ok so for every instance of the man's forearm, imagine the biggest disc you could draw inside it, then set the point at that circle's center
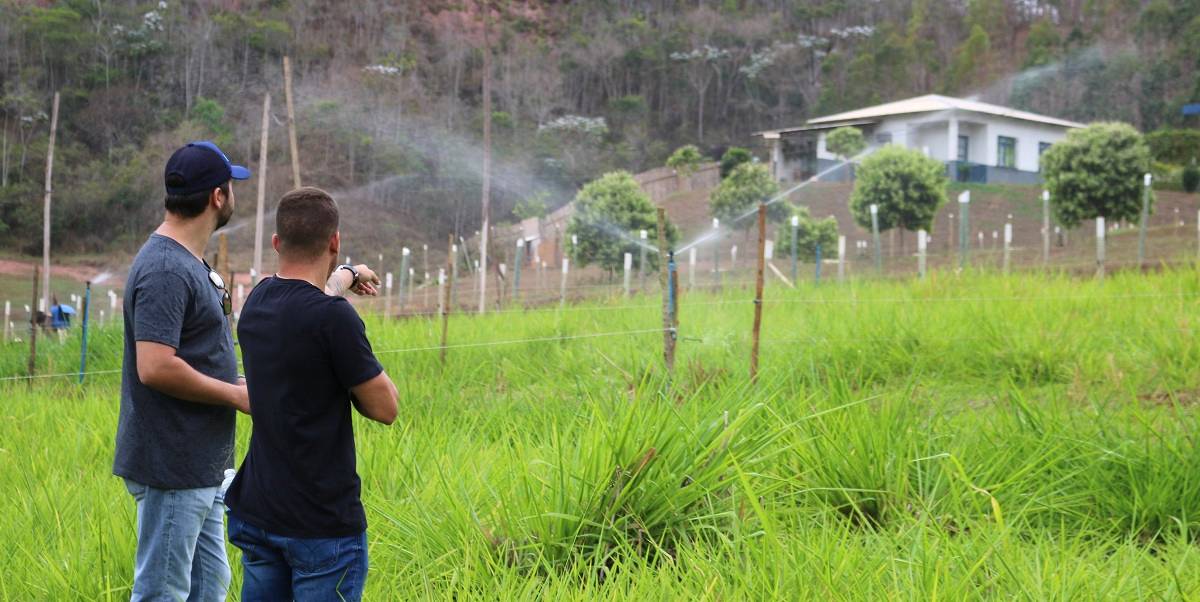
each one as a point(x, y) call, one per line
point(177, 379)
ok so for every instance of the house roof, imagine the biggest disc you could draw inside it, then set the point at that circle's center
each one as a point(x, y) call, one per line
point(936, 102)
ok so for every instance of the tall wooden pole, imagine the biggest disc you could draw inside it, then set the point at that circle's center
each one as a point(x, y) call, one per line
point(758, 289)
point(46, 206)
point(487, 165)
point(262, 189)
point(291, 121)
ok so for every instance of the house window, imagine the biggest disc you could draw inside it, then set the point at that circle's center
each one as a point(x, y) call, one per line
point(964, 148)
point(884, 138)
point(1006, 152)
point(1042, 146)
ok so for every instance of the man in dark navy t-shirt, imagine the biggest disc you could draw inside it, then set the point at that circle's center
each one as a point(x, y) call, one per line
point(294, 507)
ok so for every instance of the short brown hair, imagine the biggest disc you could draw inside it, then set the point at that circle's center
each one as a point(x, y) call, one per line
point(305, 221)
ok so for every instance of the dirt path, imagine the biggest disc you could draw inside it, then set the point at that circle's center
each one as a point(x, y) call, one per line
point(11, 267)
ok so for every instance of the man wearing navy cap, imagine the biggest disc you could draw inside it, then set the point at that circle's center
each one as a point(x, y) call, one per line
point(180, 387)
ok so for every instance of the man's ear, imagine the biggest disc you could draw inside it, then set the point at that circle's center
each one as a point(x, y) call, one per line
point(218, 199)
point(335, 243)
point(275, 242)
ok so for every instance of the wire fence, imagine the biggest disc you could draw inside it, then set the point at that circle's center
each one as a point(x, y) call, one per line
point(717, 268)
point(725, 339)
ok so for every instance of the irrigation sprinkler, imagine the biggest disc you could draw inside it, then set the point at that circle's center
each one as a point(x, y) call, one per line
point(692, 268)
point(628, 271)
point(716, 227)
point(950, 234)
point(387, 295)
point(1045, 228)
point(87, 302)
point(1100, 233)
point(453, 273)
point(875, 238)
point(405, 273)
point(641, 268)
point(516, 287)
point(964, 228)
point(921, 254)
point(1007, 244)
point(841, 258)
point(7, 323)
point(411, 276)
point(795, 256)
point(562, 287)
point(758, 290)
point(1143, 218)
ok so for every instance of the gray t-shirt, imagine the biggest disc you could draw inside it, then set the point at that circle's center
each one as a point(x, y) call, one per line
point(163, 441)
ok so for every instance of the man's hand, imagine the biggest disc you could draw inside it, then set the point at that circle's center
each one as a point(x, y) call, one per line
point(340, 281)
point(368, 281)
point(241, 397)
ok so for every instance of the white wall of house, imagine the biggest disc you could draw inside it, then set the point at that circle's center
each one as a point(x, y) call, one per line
point(983, 132)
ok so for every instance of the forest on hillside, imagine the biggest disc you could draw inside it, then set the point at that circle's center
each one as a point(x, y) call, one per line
point(389, 95)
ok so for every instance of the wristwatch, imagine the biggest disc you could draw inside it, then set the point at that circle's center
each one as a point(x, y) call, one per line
point(353, 273)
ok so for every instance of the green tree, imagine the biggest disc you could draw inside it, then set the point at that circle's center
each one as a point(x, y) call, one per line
point(211, 116)
point(733, 157)
point(686, 159)
point(1191, 177)
point(747, 184)
point(1042, 43)
point(970, 60)
point(907, 186)
point(845, 142)
point(533, 205)
point(1097, 172)
point(608, 211)
point(809, 233)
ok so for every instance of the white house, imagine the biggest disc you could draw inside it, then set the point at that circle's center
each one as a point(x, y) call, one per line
point(979, 142)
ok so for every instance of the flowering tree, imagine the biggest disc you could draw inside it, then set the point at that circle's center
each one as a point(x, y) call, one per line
point(703, 64)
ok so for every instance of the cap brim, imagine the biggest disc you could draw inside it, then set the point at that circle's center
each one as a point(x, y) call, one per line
point(238, 172)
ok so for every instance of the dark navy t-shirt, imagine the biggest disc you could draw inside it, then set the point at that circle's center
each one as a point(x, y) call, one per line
point(302, 351)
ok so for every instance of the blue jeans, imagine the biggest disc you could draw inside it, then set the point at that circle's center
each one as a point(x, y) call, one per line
point(180, 544)
point(293, 568)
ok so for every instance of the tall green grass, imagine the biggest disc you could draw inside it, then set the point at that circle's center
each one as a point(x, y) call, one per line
point(964, 437)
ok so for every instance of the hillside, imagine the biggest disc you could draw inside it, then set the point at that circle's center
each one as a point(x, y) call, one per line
point(389, 95)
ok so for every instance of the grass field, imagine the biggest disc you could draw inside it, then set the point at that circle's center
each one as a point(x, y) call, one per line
point(965, 437)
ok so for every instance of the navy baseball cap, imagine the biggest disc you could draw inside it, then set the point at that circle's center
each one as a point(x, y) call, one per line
point(200, 166)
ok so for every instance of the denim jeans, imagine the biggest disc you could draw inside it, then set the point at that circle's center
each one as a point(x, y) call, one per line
point(180, 544)
point(301, 569)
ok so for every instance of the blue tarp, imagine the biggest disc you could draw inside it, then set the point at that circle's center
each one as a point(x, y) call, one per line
point(1192, 109)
